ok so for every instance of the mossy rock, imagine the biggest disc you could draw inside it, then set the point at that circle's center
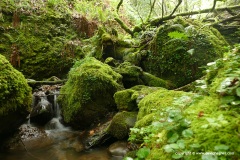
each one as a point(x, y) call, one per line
point(15, 97)
point(40, 45)
point(87, 96)
point(159, 101)
point(210, 126)
point(124, 101)
point(131, 74)
point(214, 130)
point(179, 49)
point(112, 62)
point(121, 123)
point(222, 78)
point(128, 99)
point(151, 80)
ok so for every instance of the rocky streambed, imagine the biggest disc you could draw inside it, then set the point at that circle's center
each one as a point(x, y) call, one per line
point(44, 136)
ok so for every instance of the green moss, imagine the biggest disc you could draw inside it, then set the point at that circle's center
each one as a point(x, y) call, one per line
point(15, 94)
point(212, 129)
point(88, 93)
point(128, 99)
point(124, 101)
point(131, 74)
point(132, 56)
point(122, 121)
point(215, 127)
point(177, 58)
point(142, 91)
point(111, 62)
point(146, 120)
point(44, 38)
point(161, 99)
point(151, 80)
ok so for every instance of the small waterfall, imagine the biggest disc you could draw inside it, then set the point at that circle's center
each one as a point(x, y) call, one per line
point(55, 124)
point(57, 111)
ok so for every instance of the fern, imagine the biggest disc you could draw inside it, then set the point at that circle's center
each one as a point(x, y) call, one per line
point(101, 15)
point(1, 17)
point(10, 38)
point(177, 35)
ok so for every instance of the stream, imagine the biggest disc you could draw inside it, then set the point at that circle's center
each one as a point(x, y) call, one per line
point(53, 141)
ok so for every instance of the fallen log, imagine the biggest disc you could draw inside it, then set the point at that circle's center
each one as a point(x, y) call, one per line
point(33, 83)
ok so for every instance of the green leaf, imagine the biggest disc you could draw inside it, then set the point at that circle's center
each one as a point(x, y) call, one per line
point(235, 103)
point(168, 148)
point(174, 146)
point(191, 51)
point(181, 144)
point(157, 124)
point(173, 138)
point(177, 156)
point(210, 120)
point(227, 99)
point(187, 133)
point(185, 123)
point(209, 157)
point(238, 91)
point(205, 126)
point(195, 145)
point(221, 147)
point(143, 152)
point(128, 158)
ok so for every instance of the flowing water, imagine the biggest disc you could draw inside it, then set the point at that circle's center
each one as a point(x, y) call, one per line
point(60, 143)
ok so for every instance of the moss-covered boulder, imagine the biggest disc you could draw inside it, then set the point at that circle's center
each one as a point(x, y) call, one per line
point(180, 47)
point(15, 97)
point(196, 126)
point(156, 105)
point(131, 74)
point(128, 99)
point(151, 80)
point(134, 75)
point(203, 127)
point(87, 96)
point(121, 124)
point(124, 100)
point(39, 41)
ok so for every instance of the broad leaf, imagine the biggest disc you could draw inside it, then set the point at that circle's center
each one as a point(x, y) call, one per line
point(177, 156)
point(221, 147)
point(173, 138)
point(168, 148)
point(227, 99)
point(209, 157)
point(174, 146)
point(143, 152)
point(238, 91)
point(181, 144)
point(195, 145)
point(187, 133)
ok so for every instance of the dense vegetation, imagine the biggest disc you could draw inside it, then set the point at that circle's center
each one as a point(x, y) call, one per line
point(170, 70)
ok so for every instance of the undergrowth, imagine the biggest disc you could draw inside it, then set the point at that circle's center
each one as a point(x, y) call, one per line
point(206, 128)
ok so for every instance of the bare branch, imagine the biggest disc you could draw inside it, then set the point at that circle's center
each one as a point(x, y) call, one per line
point(174, 10)
point(151, 9)
point(119, 4)
point(227, 19)
point(214, 5)
point(163, 3)
point(158, 21)
point(123, 26)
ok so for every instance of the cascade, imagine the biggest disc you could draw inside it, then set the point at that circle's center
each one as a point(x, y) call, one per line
point(55, 123)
